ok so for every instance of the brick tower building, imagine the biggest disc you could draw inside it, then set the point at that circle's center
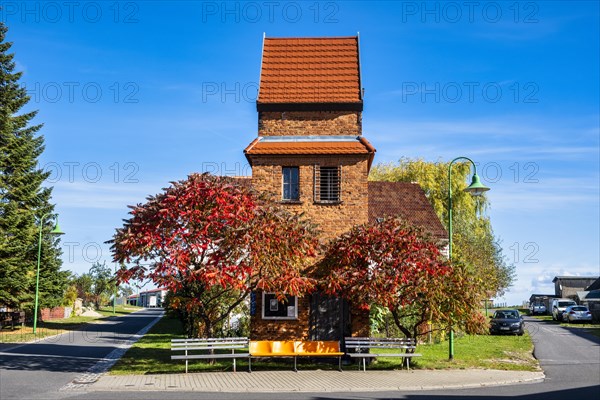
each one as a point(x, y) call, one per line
point(311, 154)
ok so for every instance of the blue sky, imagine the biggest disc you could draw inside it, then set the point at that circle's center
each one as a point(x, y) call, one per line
point(135, 94)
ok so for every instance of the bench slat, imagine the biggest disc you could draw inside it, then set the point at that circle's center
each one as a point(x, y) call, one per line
point(199, 347)
point(209, 356)
point(361, 355)
point(223, 340)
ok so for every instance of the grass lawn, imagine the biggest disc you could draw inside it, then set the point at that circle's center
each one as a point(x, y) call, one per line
point(152, 355)
point(57, 326)
point(505, 352)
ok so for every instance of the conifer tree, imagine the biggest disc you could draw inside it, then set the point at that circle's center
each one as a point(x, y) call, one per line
point(23, 199)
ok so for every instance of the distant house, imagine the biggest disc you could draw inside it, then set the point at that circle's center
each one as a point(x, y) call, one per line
point(149, 298)
point(568, 286)
point(590, 297)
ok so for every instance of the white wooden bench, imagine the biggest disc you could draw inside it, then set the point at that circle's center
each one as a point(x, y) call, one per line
point(211, 348)
point(366, 347)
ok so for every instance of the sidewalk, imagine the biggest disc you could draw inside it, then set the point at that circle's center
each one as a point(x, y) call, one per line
point(312, 381)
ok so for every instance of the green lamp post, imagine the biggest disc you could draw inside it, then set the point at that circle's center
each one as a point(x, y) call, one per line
point(476, 188)
point(115, 294)
point(55, 231)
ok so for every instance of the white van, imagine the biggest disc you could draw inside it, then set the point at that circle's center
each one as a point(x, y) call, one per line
point(558, 307)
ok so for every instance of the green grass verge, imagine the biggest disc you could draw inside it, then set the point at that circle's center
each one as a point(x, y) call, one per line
point(481, 351)
point(152, 355)
point(58, 326)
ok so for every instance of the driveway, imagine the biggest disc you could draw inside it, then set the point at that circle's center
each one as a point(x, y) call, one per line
point(570, 357)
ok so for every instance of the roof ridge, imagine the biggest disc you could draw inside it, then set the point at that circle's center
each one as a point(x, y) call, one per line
point(312, 37)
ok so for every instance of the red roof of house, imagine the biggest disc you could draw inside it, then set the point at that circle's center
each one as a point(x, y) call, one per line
point(407, 201)
point(310, 70)
point(360, 145)
point(354, 147)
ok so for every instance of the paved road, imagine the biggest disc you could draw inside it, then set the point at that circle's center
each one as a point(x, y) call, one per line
point(570, 359)
point(39, 370)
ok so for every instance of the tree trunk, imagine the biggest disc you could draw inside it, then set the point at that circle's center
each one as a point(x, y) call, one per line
point(406, 332)
point(208, 333)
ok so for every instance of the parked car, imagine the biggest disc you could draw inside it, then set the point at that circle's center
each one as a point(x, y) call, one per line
point(559, 306)
point(507, 321)
point(577, 313)
point(537, 308)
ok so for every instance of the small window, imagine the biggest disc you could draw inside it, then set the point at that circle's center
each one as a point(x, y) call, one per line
point(328, 182)
point(272, 308)
point(291, 184)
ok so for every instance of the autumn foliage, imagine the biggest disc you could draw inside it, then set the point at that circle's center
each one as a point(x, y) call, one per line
point(211, 241)
point(395, 265)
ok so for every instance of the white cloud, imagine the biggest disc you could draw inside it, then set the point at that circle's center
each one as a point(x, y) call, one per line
point(90, 195)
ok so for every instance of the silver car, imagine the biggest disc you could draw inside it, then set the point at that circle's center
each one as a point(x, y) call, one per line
point(577, 313)
point(537, 308)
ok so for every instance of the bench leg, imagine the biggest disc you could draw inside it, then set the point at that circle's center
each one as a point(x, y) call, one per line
point(234, 370)
point(295, 365)
point(340, 363)
point(186, 366)
point(406, 360)
point(364, 364)
point(249, 364)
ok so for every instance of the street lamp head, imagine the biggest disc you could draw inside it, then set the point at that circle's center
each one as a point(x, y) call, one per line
point(476, 188)
point(56, 231)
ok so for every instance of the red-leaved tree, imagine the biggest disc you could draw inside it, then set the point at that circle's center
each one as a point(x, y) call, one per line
point(211, 241)
point(397, 266)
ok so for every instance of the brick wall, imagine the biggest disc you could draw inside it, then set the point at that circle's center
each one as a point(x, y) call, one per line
point(48, 314)
point(303, 123)
point(298, 329)
point(360, 324)
point(272, 329)
point(333, 219)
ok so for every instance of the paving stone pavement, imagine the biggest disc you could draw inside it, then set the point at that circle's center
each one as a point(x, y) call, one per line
point(313, 381)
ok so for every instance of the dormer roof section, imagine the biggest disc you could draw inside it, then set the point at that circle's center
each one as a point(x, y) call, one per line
point(310, 74)
point(310, 145)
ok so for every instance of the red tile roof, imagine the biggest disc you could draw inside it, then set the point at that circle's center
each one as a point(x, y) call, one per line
point(359, 146)
point(407, 201)
point(310, 70)
point(258, 147)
